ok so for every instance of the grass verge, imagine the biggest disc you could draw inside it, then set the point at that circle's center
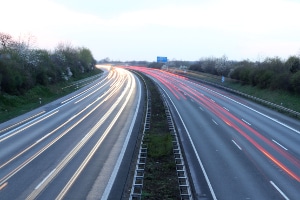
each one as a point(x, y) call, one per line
point(279, 97)
point(13, 105)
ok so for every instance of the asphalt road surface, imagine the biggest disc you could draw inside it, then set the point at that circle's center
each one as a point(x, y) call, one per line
point(73, 148)
point(235, 149)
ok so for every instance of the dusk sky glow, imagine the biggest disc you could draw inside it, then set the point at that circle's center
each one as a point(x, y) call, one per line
point(141, 30)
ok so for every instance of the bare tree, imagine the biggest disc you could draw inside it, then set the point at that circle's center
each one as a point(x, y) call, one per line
point(221, 65)
point(25, 49)
point(5, 40)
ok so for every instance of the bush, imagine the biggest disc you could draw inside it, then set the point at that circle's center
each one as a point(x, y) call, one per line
point(22, 67)
point(295, 81)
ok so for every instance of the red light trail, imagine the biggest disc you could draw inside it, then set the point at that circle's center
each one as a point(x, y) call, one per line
point(177, 85)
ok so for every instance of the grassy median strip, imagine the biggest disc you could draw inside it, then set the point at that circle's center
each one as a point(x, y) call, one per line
point(160, 178)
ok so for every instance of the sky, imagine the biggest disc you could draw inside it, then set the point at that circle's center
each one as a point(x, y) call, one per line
point(125, 30)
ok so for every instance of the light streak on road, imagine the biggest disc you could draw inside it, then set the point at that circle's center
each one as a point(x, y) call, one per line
point(64, 191)
point(120, 82)
point(273, 151)
point(231, 120)
point(107, 94)
point(21, 122)
point(26, 126)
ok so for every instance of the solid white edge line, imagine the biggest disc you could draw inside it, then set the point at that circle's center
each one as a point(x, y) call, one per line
point(37, 187)
point(279, 190)
point(20, 122)
point(194, 148)
point(120, 158)
point(279, 144)
point(260, 113)
point(36, 119)
point(27, 125)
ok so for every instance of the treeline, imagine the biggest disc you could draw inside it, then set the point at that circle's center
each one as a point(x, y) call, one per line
point(272, 73)
point(22, 66)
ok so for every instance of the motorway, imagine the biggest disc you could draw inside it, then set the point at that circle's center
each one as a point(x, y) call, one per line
point(73, 148)
point(235, 149)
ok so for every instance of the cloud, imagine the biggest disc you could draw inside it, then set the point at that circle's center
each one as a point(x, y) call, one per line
point(227, 26)
point(42, 18)
point(255, 16)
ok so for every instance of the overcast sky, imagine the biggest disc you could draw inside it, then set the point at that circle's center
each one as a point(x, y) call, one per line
point(142, 29)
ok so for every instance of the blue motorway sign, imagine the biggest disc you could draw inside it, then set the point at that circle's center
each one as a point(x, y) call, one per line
point(223, 79)
point(162, 59)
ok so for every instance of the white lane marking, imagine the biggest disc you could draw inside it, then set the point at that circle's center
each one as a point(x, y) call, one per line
point(37, 187)
point(279, 144)
point(81, 93)
point(55, 110)
point(201, 108)
point(121, 156)
point(236, 145)
point(45, 136)
point(212, 100)
point(214, 121)
point(27, 119)
point(279, 190)
point(226, 109)
point(27, 125)
point(94, 91)
point(246, 122)
point(194, 148)
point(79, 145)
point(252, 109)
